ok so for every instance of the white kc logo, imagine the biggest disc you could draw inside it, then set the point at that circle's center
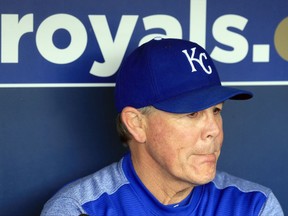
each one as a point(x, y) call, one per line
point(191, 60)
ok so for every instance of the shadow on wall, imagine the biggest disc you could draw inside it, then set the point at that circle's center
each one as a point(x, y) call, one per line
point(50, 137)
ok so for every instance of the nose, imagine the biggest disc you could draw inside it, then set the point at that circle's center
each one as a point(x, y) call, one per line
point(212, 127)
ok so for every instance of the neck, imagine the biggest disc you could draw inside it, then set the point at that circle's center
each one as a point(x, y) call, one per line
point(166, 189)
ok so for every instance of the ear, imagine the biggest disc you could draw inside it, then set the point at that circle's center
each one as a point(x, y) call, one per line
point(135, 123)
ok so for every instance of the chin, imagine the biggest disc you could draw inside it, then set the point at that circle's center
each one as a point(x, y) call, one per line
point(206, 177)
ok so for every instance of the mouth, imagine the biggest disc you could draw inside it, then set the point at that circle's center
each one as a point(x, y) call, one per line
point(207, 158)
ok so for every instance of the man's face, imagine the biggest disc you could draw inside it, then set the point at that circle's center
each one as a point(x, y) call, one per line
point(185, 147)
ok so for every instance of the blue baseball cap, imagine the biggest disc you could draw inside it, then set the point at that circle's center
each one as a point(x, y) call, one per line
point(173, 75)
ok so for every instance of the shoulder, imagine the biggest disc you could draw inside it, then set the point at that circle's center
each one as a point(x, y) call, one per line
point(107, 180)
point(244, 191)
point(224, 180)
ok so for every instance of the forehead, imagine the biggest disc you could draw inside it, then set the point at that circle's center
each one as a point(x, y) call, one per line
point(156, 111)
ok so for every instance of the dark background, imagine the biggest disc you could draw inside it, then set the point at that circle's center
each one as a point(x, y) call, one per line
point(52, 136)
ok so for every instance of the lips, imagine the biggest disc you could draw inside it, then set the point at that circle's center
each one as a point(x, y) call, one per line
point(207, 158)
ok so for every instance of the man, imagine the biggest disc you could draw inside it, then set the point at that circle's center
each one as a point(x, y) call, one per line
point(169, 98)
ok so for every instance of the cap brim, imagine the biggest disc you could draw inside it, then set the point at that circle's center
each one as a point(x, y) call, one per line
point(201, 99)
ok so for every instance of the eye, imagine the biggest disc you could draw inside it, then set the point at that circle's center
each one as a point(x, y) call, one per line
point(192, 115)
point(217, 110)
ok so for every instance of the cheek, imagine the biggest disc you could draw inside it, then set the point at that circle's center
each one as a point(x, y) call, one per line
point(172, 145)
point(171, 137)
point(220, 138)
point(163, 141)
point(160, 136)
